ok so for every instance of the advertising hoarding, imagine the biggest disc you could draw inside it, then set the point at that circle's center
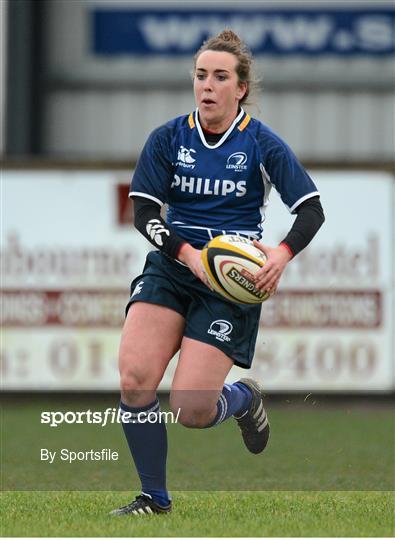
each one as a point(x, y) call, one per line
point(69, 252)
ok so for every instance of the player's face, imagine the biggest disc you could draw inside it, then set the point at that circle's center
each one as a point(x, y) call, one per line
point(217, 89)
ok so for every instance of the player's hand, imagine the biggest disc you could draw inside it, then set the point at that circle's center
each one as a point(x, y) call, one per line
point(268, 277)
point(192, 258)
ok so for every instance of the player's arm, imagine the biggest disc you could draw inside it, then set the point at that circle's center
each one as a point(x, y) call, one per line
point(300, 195)
point(310, 217)
point(149, 222)
point(151, 225)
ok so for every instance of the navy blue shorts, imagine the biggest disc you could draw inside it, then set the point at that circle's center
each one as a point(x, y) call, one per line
point(209, 318)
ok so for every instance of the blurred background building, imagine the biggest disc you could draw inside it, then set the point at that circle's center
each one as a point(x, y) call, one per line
point(90, 79)
point(83, 83)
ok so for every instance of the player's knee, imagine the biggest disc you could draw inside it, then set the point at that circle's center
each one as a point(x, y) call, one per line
point(130, 388)
point(137, 376)
point(189, 415)
point(130, 379)
point(137, 388)
point(195, 418)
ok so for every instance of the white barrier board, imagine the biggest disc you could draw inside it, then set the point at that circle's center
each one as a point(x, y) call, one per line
point(68, 253)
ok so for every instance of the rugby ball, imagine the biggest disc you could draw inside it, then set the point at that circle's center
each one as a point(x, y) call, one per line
point(230, 263)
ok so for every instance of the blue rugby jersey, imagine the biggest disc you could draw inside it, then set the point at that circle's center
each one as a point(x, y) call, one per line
point(221, 188)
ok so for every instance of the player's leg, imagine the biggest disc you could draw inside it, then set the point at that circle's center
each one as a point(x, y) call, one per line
point(201, 399)
point(198, 392)
point(198, 382)
point(150, 338)
point(217, 335)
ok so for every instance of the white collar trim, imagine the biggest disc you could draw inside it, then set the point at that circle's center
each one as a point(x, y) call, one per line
point(225, 135)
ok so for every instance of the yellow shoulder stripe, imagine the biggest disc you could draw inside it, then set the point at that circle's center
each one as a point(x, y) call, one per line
point(191, 121)
point(244, 123)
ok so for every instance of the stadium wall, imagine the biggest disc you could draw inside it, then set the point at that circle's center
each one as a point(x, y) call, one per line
point(327, 73)
point(325, 125)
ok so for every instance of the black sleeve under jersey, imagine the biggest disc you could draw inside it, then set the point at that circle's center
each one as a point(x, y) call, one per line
point(149, 222)
point(310, 217)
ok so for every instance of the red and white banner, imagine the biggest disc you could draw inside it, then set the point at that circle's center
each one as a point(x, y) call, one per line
point(69, 252)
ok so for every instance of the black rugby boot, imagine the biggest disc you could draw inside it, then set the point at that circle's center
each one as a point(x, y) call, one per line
point(254, 423)
point(142, 505)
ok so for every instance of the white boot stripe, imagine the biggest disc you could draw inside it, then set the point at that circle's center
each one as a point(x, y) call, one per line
point(141, 511)
point(135, 512)
point(258, 412)
point(148, 509)
point(262, 417)
point(263, 425)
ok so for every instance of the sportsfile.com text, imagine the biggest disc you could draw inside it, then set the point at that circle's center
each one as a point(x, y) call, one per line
point(110, 416)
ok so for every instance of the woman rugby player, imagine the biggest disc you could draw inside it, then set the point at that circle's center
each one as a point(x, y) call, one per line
point(214, 169)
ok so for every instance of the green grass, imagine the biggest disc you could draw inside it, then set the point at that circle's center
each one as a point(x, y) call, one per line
point(311, 448)
point(202, 514)
point(328, 471)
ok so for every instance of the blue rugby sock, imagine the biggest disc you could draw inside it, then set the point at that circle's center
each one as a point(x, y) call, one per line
point(148, 446)
point(234, 400)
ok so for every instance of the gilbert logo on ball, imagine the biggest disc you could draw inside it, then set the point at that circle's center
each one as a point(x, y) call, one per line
point(230, 263)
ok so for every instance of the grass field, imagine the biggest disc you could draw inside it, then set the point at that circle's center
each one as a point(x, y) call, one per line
point(327, 472)
point(202, 514)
